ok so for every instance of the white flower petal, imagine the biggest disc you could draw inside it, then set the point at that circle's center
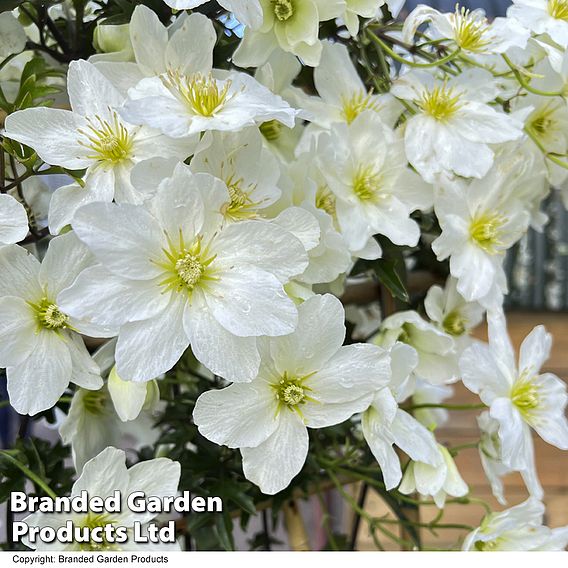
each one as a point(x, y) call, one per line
point(156, 478)
point(19, 271)
point(239, 416)
point(100, 297)
point(17, 331)
point(273, 464)
point(354, 371)
point(86, 372)
point(148, 348)
point(125, 238)
point(37, 383)
point(318, 336)
point(13, 220)
point(52, 133)
point(267, 246)
point(90, 92)
point(234, 358)
point(190, 50)
point(535, 349)
point(251, 302)
point(127, 397)
point(149, 39)
point(103, 474)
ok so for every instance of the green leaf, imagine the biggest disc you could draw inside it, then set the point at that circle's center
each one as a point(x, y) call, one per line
point(224, 526)
point(386, 271)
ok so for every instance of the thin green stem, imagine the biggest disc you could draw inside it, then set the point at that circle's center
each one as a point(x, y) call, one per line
point(454, 450)
point(436, 63)
point(518, 75)
point(548, 155)
point(447, 406)
point(29, 474)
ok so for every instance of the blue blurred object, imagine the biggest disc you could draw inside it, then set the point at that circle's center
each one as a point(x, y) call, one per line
point(492, 8)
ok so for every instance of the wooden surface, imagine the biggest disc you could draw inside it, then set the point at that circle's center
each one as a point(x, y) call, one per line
point(462, 428)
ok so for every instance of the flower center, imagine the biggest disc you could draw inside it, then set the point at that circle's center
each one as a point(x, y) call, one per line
point(271, 130)
point(440, 103)
point(325, 200)
point(92, 521)
point(558, 9)
point(240, 205)
point(190, 270)
point(543, 122)
point(489, 545)
point(486, 231)
point(283, 9)
point(48, 315)
point(454, 324)
point(186, 267)
point(353, 106)
point(204, 95)
point(291, 392)
point(524, 395)
point(94, 401)
point(367, 183)
point(109, 140)
point(470, 30)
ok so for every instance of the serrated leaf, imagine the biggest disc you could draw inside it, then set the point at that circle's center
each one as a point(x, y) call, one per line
point(224, 526)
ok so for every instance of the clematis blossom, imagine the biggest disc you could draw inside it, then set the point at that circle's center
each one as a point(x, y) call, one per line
point(519, 397)
point(185, 278)
point(306, 380)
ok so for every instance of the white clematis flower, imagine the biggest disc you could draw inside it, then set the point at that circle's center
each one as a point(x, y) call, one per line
point(306, 380)
point(519, 528)
point(182, 96)
point(437, 481)
point(436, 357)
point(248, 12)
point(365, 168)
point(311, 191)
point(186, 46)
point(519, 398)
point(13, 220)
point(343, 94)
point(385, 425)
point(183, 105)
point(101, 477)
point(543, 17)
point(93, 136)
point(40, 345)
point(547, 117)
point(480, 220)
point(470, 30)
point(250, 172)
point(452, 313)
point(172, 274)
point(493, 466)
point(454, 124)
point(290, 25)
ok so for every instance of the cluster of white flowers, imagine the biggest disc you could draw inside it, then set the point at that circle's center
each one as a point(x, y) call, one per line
point(223, 211)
